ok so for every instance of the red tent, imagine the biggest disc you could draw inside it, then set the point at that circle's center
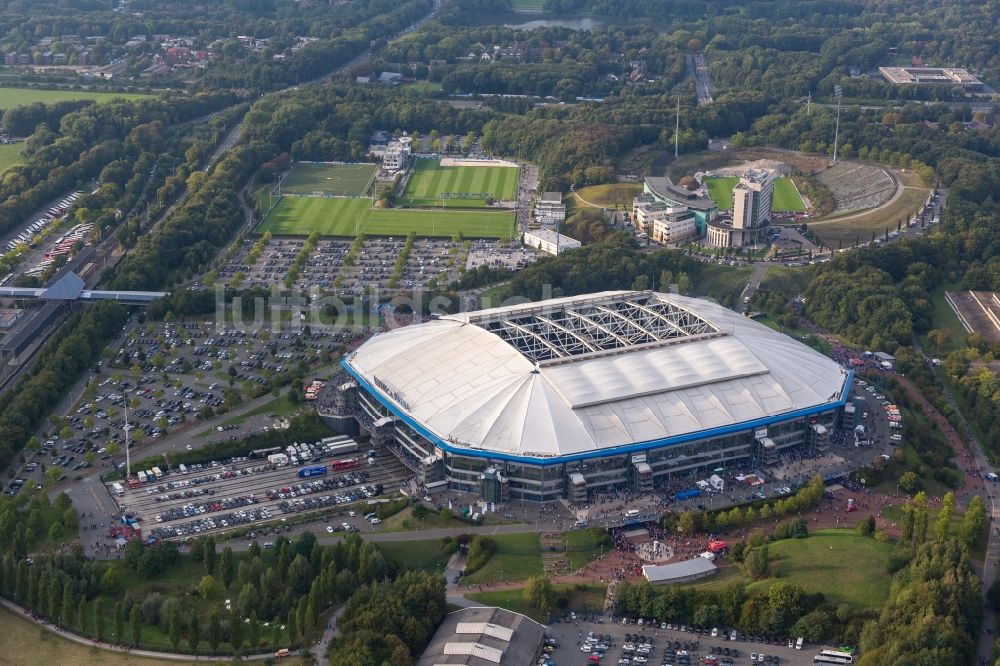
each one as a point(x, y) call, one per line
point(717, 546)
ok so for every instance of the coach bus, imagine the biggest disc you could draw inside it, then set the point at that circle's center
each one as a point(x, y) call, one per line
point(833, 657)
point(341, 465)
point(312, 470)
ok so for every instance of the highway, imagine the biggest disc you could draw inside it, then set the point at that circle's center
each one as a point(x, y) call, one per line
point(697, 68)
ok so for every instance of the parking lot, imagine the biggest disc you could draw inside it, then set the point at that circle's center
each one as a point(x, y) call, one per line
point(218, 496)
point(663, 644)
point(172, 376)
point(431, 262)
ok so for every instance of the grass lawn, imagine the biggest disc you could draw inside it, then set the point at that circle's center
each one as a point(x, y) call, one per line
point(834, 230)
point(609, 195)
point(11, 97)
point(788, 280)
point(518, 557)
point(583, 547)
point(10, 155)
point(432, 184)
point(344, 180)
point(423, 87)
point(395, 522)
point(716, 280)
point(426, 554)
point(588, 600)
point(944, 318)
point(24, 644)
point(347, 217)
point(786, 195)
point(845, 567)
point(281, 406)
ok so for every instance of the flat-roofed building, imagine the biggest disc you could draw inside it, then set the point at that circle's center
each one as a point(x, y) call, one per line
point(550, 207)
point(662, 223)
point(931, 76)
point(397, 153)
point(549, 241)
point(9, 317)
point(679, 572)
point(674, 227)
point(484, 636)
point(664, 191)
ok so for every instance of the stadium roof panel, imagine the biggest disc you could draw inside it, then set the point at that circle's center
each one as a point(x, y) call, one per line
point(470, 386)
point(566, 328)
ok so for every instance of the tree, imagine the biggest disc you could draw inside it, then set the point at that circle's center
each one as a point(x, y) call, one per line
point(253, 631)
point(943, 523)
point(111, 580)
point(687, 524)
point(784, 605)
point(135, 625)
point(866, 526)
point(236, 632)
point(66, 612)
point(206, 586)
point(909, 483)
point(174, 626)
point(757, 562)
point(970, 530)
point(226, 567)
point(209, 555)
point(214, 631)
point(99, 619)
point(118, 614)
point(81, 615)
point(194, 633)
point(813, 627)
point(539, 593)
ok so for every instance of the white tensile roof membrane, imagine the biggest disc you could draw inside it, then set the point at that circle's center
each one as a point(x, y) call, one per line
point(548, 383)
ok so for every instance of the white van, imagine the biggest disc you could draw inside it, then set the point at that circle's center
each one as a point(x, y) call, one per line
point(798, 643)
point(632, 513)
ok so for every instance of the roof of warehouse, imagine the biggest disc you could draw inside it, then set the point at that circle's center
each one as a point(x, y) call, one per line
point(484, 636)
point(683, 569)
point(585, 373)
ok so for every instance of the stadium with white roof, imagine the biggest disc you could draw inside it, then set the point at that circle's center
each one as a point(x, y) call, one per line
point(572, 396)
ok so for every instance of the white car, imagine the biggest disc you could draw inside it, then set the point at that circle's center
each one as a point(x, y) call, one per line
point(329, 529)
point(715, 632)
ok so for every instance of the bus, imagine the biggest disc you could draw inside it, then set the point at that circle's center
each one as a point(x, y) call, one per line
point(340, 465)
point(313, 470)
point(833, 657)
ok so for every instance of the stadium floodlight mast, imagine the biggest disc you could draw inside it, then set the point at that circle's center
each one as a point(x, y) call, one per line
point(838, 92)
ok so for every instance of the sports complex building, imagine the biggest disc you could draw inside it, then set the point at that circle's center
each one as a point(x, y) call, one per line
point(572, 396)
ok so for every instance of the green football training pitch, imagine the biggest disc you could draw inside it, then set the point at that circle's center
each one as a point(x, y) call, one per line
point(342, 180)
point(11, 97)
point(786, 196)
point(349, 217)
point(458, 186)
